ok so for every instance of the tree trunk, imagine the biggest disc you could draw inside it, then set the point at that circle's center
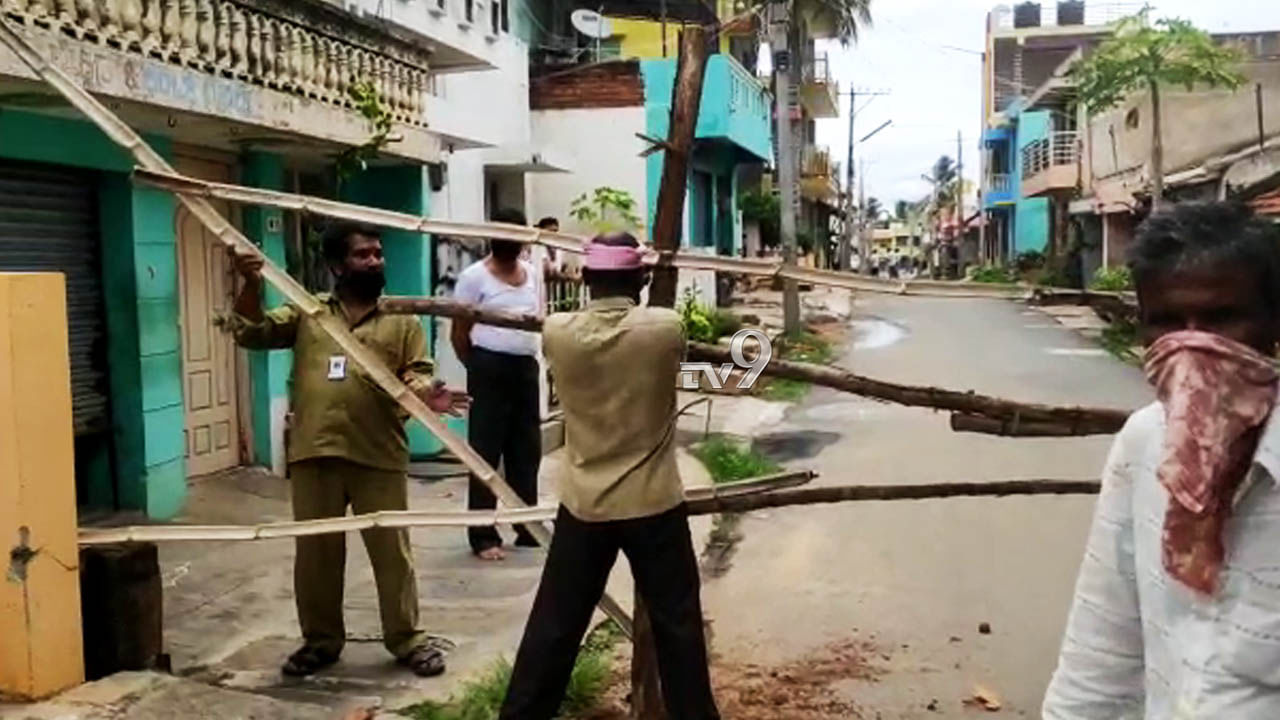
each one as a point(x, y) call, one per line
point(685, 101)
point(1157, 151)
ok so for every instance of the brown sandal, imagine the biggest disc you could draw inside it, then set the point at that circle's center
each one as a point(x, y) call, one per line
point(425, 660)
point(308, 660)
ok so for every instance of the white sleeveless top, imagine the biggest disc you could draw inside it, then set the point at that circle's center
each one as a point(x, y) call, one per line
point(478, 286)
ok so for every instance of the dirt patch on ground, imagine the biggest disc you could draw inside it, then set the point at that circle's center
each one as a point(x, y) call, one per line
point(802, 689)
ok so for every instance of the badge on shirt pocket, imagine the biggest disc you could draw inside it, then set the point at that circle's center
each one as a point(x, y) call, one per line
point(337, 367)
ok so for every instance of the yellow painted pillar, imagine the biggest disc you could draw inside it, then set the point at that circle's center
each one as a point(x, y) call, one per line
point(41, 647)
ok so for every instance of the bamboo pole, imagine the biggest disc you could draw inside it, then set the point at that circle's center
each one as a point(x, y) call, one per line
point(408, 518)
point(863, 493)
point(175, 182)
point(975, 413)
point(199, 207)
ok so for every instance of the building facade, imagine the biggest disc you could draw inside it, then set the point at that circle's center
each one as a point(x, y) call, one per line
point(256, 92)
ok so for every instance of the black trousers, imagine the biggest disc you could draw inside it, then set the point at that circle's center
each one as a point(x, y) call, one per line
point(505, 426)
point(666, 573)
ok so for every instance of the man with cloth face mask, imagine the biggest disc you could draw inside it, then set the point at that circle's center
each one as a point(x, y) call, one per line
point(347, 444)
point(1177, 606)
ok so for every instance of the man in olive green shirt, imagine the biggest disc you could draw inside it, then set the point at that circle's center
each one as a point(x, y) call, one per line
point(347, 444)
point(616, 366)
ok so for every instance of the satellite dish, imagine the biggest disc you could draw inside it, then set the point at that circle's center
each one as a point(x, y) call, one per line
point(591, 23)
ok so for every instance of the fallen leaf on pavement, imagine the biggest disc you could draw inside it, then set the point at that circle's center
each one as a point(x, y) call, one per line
point(984, 698)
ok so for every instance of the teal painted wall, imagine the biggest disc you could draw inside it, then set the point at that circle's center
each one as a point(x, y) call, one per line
point(269, 370)
point(734, 111)
point(140, 280)
point(1031, 215)
point(409, 255)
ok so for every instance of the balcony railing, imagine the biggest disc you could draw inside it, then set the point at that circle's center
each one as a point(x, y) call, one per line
point(1094, 14)
point(816, 162)
point(818, 69)
point(1059, 148)
point(1000, 183)
point(234, 40)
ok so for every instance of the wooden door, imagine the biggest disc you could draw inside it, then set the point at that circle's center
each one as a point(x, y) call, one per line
point(207, 287)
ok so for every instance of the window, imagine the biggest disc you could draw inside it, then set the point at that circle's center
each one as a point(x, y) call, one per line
point(470, 6)
point(495, 22)
point(506, 17)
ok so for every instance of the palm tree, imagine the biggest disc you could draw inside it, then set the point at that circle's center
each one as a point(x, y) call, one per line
point(847, 17)
point(872, 211)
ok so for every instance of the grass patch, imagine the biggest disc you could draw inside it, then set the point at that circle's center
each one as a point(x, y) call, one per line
point(996, 275)
point(481, 698)
point(807, 347)
point(1120, 338)
point(727, 460)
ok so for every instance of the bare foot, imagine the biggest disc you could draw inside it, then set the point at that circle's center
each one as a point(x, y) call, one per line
point(492, 554)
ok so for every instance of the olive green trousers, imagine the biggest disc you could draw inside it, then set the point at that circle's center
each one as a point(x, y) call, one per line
point(324, 488)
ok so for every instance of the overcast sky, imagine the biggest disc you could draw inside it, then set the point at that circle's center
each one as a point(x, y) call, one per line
point(936, 89)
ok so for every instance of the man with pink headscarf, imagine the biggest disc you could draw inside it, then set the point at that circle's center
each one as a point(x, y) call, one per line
point(617, 364)
point(1177, 606)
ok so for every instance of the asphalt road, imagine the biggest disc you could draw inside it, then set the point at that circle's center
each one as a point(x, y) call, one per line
point(917, 578)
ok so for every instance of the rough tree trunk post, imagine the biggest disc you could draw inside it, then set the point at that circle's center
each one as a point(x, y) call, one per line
point(646, 691)
point(685, 101)
point(1157, 151)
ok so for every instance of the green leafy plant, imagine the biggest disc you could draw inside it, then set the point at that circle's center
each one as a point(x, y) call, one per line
point(764, 209)
point(364, 95)
point(994, 274)
point(1120, 338)
point(1029, 260)
point(1116, 279)
point(1143, 56)
point(704, 324)
point(803, 347)
point(606, 209)
point(481, 697)
point(727, 460)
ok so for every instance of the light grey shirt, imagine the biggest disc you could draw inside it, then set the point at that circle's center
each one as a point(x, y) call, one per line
point(1141, 645)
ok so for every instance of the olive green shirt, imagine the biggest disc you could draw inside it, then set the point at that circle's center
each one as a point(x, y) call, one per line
point(338, 410)
point(616, 367)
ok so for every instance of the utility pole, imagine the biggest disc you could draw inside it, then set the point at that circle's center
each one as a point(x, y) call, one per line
point(779, 37)
point(846, 238)
point(959, 183)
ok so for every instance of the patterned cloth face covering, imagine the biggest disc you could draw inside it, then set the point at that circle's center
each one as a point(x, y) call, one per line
point(1215, 391)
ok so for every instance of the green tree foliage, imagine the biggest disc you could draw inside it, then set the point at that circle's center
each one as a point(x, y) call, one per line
point(848, 16)
point(1144, 56)
point(765, 209)
point(606, 209)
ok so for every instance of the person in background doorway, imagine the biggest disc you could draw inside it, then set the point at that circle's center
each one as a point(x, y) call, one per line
point(348, 445)
point(622, 491)
point(502, 376)
point(1177, 605)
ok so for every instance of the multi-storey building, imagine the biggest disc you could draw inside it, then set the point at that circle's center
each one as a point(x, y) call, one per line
point(257, 92)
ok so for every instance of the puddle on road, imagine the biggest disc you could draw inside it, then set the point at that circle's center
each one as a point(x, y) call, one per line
point(784, 447)
point(875, 333)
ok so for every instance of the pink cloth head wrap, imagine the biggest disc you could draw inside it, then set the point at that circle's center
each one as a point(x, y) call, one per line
point(612, 257)
point(1215, 393)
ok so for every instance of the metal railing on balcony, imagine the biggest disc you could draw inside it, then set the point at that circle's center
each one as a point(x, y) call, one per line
point(1058, 148)
point(817, 69)
point(1000, 183)
point(234, 40)
point(815, 162)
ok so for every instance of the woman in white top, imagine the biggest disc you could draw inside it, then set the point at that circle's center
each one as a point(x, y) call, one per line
point(502, 377)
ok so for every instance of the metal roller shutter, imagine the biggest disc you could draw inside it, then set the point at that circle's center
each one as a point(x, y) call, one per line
point(49, 222)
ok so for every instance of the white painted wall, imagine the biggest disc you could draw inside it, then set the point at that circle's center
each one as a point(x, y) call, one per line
point(601, 147)
point(446, 25)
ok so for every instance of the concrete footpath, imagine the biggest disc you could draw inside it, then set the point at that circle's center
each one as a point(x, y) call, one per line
point(229, 619)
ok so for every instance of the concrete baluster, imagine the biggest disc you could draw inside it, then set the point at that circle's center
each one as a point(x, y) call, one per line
point(269, 51)
point(206, 31)
point(109, 19)
point(13, 7)
point(130, 22)
point(151, 13)
point(40, 10)
point(341, 72)
point(222, 36)
point(171, 27)
point(307, 52)
point(252, 43)
point(327, 70)
point(280, 63)
point(67, 12)
point(86, 15)
point(187, 31)
point(295, 58)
